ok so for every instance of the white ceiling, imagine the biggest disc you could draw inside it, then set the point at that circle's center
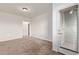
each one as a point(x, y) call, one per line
point(35, 8)
point(59, 5)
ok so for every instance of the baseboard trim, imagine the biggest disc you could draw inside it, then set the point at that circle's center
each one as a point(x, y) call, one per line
point(41, 38)
point(11, 38)
point(68, 49)
point(61, 53)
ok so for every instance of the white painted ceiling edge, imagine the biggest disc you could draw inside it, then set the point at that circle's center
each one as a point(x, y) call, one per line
point(60, 6)
point(36, 9)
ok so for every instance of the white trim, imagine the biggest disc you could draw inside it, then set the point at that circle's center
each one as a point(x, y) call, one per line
point(42, 38)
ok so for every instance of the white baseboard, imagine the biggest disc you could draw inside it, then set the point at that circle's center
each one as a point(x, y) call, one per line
point(10, 38)
point(42, 38)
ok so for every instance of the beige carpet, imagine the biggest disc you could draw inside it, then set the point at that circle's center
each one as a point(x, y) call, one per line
point(26, 46)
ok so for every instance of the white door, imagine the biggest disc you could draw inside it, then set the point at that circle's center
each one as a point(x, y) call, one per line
point(69, 40)
point(26, 29)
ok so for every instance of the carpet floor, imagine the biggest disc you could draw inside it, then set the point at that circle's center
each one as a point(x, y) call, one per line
point(26, 46)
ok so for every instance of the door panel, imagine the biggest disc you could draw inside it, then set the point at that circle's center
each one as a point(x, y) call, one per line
point(69, 24)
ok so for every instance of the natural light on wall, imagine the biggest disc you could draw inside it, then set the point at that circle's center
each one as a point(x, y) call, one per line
point(24, 22)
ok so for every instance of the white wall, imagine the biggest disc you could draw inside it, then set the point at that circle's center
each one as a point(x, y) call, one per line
point(41, 27)
point(10, 26)
point(56, 23)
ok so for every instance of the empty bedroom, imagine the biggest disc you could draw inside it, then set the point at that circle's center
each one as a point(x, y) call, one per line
point(26, 28)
